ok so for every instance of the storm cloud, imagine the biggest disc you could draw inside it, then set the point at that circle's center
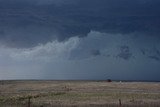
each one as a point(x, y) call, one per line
point(26, 23)
point(90, 57)
point(125, 53)
point(80, 39)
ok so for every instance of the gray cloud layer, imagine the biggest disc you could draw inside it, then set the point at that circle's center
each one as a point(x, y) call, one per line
point(80, 39)
point(26, 23)
point(96, 56)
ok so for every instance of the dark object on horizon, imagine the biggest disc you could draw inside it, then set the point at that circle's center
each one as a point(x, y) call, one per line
point(109, 80)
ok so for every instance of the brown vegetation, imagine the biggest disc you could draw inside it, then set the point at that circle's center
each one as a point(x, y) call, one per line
point(79, 94)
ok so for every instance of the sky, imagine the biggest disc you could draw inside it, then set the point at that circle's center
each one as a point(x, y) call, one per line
point(80, 39)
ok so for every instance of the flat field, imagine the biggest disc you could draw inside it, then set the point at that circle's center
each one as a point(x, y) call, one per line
point(79, 94)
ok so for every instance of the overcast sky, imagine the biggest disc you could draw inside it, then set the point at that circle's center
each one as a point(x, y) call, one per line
point(80, 39)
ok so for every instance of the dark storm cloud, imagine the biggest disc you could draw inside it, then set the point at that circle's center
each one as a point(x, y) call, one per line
point(95, 52)
point(26, 23)
point(157, 52)
point(84, 58)
point(143, 51)
point(125, 53)
point(155, 55)
point(155, 58)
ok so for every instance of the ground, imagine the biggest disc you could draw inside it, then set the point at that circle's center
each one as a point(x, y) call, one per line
point(79, 94)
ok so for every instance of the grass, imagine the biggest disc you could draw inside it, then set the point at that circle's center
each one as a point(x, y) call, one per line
point(78, 94)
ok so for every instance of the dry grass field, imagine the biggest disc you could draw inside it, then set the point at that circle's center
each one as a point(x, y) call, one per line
point(79, 94)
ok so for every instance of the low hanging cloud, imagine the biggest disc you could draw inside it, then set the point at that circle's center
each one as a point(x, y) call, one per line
point(93, 45)
point(49, 51)
point(125, 53)
point(157, 58)
point(155, 55)
point(95, 52)
point(82, 58)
